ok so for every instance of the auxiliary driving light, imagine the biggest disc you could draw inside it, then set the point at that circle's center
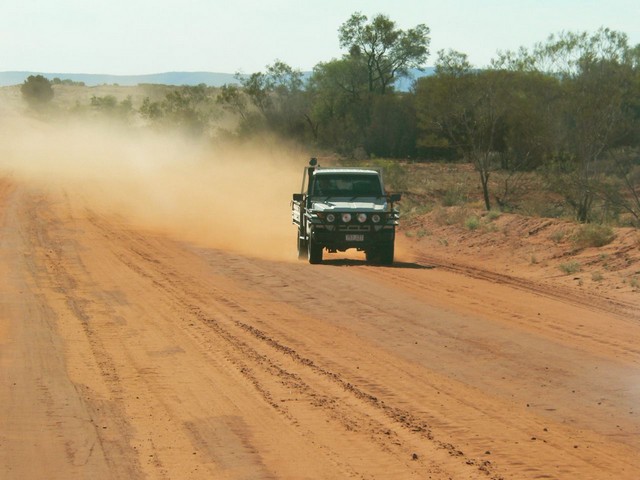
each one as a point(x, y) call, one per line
point(362, 217)
point(331, 217)
point(346, 217)
point(375, 218)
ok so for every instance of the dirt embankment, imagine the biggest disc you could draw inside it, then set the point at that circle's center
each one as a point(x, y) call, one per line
point(537, 253)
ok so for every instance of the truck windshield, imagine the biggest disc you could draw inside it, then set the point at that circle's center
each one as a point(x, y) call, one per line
point(346, 185)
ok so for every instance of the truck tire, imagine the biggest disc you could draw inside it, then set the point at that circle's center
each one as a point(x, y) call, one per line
point(386, 254)
point(302, 247)
point(314, 251)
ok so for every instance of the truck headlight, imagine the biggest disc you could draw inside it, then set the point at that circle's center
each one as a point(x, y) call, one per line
point(331, 217)
point(362, 217)
point(346, 217)
point(375, 218)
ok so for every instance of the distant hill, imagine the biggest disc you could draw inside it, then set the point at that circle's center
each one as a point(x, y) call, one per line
point(91, 79)
point(169, 78)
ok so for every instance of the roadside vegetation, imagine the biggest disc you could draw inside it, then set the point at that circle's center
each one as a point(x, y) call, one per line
point(550, 131)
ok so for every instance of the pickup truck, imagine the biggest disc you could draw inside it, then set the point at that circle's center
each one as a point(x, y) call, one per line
point(342, 208)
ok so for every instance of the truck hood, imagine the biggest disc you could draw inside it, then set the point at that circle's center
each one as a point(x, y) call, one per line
point(360, 204)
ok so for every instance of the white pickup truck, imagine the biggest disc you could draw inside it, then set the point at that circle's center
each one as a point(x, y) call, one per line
point(343, 208)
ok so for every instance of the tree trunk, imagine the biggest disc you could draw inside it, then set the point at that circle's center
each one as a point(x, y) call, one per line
point(484, 180)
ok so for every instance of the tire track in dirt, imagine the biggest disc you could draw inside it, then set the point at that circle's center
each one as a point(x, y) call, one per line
point(482, 294)
point(242, 312)
point(319, 277)
point(557, 292)
point(52, 272)
point(209, 364)
point(300, 374)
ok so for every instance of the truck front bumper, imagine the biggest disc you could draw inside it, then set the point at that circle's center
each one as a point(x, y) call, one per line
point(341, 240)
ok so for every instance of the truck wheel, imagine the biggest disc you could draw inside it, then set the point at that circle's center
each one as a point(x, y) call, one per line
point(314, 251)
point(371, 255)
point(302, 248)
point(386, 254)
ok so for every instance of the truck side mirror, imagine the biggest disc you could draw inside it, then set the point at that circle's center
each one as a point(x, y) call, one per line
point(395, 197)
point(298, 197)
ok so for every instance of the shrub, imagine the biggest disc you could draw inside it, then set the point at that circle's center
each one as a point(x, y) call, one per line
point(450, 216)
point(570, 267)
point(36, 90)
point(453, 196)
point(558, 236)
point(395, 174)
point(472, 223)
point(592, 235)
point(493, 215)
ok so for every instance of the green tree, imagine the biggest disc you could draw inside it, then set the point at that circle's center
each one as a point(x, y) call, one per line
point(620, 189)
point(37, 91)
point(393, 129)
point(465, 110)
point(529, 134)
point(387, 51)
point(278, 99)
point(233, 99)
point(597, 74)
point(151, 110)
point(109, 105)
point(340, 104)
point(189, 108)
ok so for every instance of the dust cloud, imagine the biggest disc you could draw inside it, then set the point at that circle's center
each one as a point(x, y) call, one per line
point(220, 196)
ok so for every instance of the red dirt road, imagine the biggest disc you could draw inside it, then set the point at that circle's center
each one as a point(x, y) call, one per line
point(129, 354)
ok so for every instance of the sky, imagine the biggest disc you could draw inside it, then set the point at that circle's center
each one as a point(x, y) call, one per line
point(134, 37)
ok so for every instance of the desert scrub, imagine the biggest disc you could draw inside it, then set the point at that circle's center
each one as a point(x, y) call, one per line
point(558, 236)
point(493, 215)
point(592, 235)
point(421, 232)
point(472, 222)
point(453, 196)
point(450, 216)
point(489, 227)
point(411, 208)
point(395, 174)
point(596, 276)
point(570, 267)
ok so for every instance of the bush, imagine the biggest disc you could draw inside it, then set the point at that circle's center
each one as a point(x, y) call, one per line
point(472, 223)
point(570, 267)
point(453, 196)
point(592, 235)
point(37, 90)
point(493, 215)
point(558, 236)
point(395, 174)
point(450, 216)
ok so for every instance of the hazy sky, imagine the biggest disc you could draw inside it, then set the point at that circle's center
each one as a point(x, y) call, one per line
point(154, 36)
